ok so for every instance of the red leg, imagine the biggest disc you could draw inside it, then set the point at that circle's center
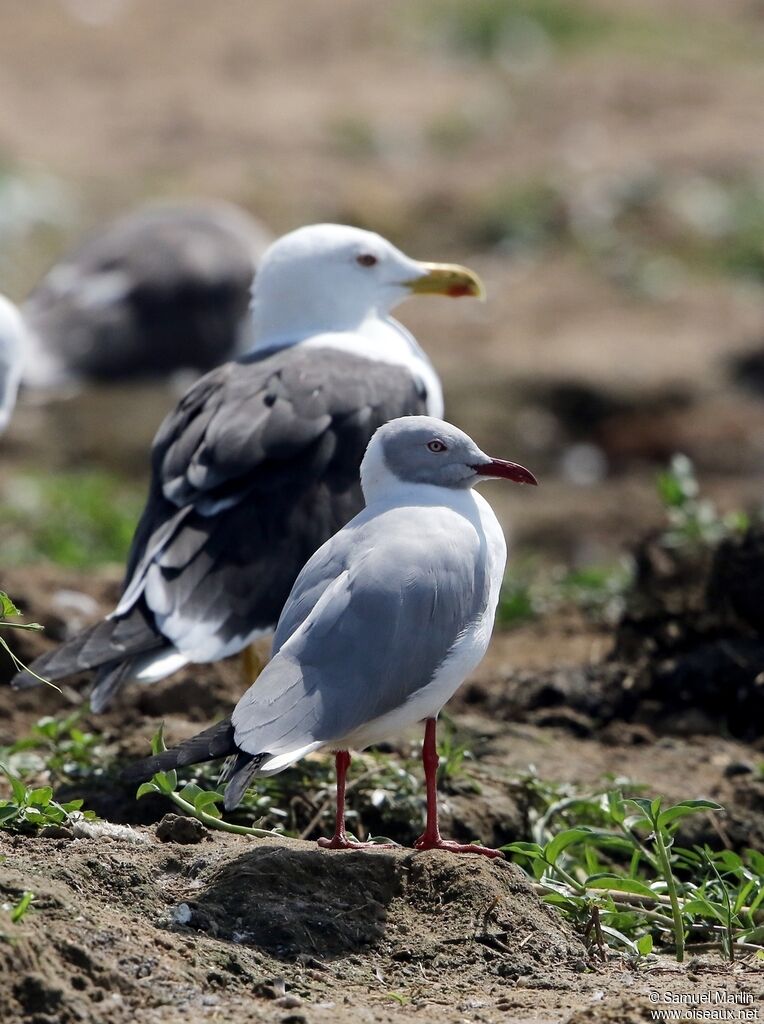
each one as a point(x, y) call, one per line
point(339, 840)
point(431, 838)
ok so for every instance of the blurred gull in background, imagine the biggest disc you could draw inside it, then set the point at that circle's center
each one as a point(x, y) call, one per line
point(162, 289)
point(13, 346)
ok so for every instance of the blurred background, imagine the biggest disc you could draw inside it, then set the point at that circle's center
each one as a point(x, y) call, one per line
point(600, 163)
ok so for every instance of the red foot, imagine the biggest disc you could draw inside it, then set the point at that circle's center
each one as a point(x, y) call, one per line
point(426, 842)
point(341, 842)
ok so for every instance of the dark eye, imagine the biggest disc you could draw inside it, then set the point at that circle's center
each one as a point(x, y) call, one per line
point(437, 446)
point(366, 259)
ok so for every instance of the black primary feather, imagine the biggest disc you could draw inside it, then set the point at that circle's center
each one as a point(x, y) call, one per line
point(210, 745)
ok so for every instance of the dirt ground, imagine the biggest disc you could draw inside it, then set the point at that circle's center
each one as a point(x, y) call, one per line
point(126, 926)
point(603, 349)
point(238, 930)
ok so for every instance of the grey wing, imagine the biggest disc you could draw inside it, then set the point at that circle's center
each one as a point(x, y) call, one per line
point(377, 633)
point(253, 471)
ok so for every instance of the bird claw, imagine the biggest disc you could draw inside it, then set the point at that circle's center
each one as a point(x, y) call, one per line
point(426, 842)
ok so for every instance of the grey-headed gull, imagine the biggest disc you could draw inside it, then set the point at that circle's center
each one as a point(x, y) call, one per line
point(258, 464)
point(382, 626)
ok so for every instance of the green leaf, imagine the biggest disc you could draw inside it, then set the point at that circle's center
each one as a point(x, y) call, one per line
point(742, 896)
point(40, 797)
point(538, 867)
point(18, 788)
point(637, 821)
point(620, 885)
point(158, 745)
point(7, 607)
point(145, 788)
point(526, 849)
point(166, 782)
point(704, 908)
point(206, 801)
point(644, 806)
point(685, 808)
point(615, 934)
point(563, 840)
point(21, 907)
point(190, 792)
point(616, 807)
point(645, 945)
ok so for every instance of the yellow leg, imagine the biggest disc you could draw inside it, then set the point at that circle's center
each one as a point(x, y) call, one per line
point(252, 664)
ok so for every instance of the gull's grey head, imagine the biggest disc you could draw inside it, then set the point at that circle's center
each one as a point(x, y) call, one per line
point(425, 450)
point(332, 277)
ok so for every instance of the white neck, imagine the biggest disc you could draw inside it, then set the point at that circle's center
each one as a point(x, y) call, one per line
point(381, 338)
point(278, 324)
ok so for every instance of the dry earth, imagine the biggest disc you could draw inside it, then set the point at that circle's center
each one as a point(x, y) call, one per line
point(206, 926)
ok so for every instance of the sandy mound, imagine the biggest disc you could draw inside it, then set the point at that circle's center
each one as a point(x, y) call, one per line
point(253, 926)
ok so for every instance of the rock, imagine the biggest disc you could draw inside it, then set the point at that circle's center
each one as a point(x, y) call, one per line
point(175, 828)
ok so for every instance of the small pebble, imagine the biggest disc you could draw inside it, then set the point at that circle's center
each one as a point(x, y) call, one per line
point(289, 1002)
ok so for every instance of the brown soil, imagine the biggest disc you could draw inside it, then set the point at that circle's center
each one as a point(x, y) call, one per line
point(238, 929)
point(201, 926)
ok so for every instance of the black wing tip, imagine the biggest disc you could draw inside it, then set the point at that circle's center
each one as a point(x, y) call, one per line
point(143, 770)
point(24, 680)
point(210, 745)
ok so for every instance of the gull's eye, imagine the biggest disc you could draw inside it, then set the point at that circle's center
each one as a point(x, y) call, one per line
point(437, 446)
point(366, 259)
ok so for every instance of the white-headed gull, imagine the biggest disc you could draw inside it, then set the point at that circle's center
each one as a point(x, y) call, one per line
point(258, 464)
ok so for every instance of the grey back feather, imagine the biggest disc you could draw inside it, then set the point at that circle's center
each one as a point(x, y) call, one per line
point(255, 468)
point(370, 619)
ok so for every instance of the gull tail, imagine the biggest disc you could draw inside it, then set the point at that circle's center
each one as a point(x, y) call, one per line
point(211, 745)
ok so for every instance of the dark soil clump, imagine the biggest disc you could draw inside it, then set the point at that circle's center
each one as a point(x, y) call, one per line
point(687, 657)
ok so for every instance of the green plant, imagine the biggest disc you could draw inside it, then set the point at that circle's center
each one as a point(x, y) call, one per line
point(598, 590)
point(16, 912)
point(20, 909)
point(76, 519)
point(488, 29)
point(8, 608)
point(517, 603)
point(57, 746)
point(31, 807)
point(620, 875)
point(192, 799)
point(693, 520)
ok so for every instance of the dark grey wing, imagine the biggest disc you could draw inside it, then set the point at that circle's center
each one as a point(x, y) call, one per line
point(253, 471)
point(387, 611)
point(162, 288)
point(106, 643)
